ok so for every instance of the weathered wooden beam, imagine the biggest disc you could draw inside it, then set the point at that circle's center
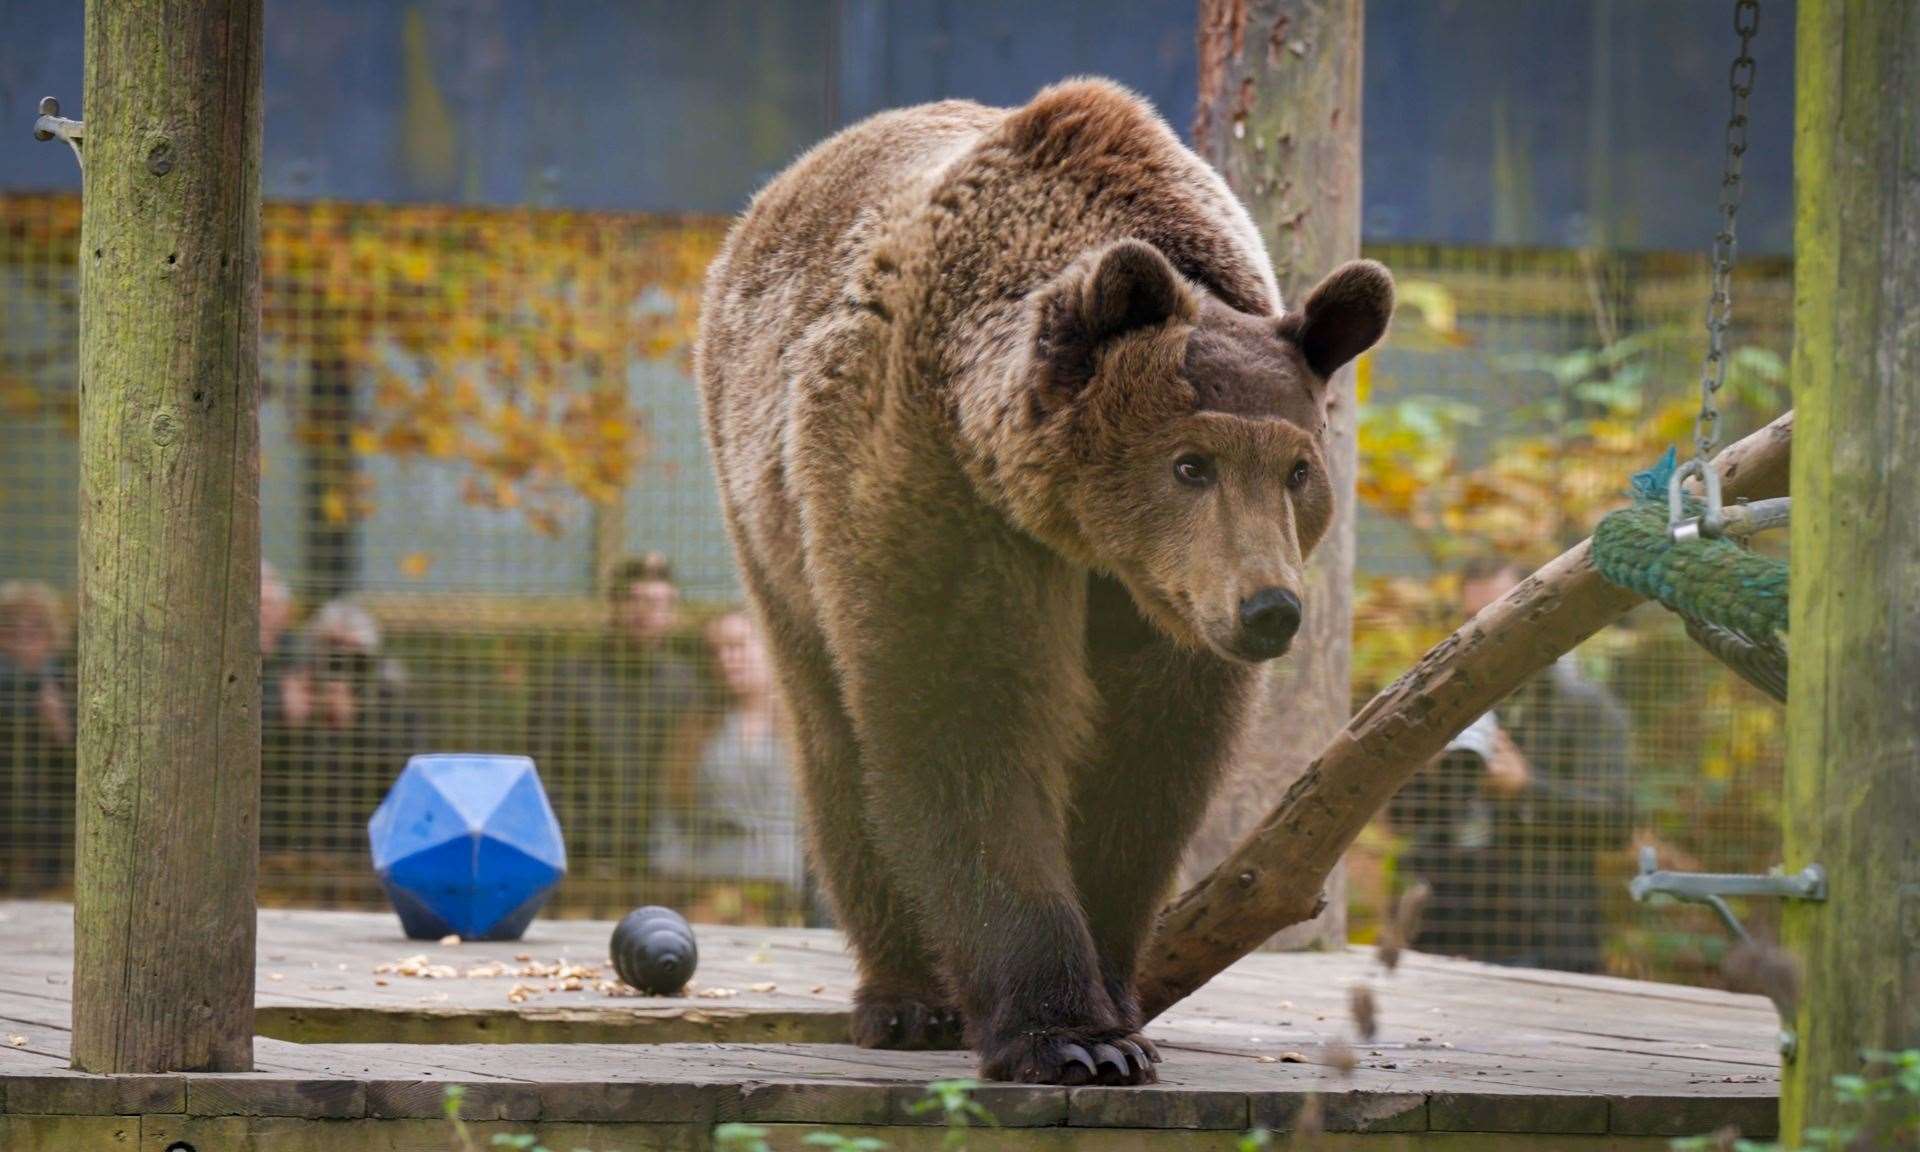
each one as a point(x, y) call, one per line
point(1279, 116)
point(1853, 719)
point(169, 733)
point(1273, 878)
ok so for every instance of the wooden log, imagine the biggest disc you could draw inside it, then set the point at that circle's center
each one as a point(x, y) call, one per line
point(1279, 116)
point(1853, 720)
point(169, 736)
point(1273, 878)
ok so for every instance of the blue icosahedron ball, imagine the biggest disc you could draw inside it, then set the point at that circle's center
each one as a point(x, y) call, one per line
point(467, 845)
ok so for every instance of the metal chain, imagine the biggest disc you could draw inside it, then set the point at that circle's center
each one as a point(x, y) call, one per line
point(1706, 429)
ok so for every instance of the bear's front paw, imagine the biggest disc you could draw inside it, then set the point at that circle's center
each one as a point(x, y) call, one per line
point(893, 1021)
point(1102, 1056)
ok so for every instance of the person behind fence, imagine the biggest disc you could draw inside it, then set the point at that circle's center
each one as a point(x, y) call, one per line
point(286, 707)
point(1507, 824)
point(284, 702)
point(731, 814)
point(360, 729)
point(600, 726)
point(36, 735)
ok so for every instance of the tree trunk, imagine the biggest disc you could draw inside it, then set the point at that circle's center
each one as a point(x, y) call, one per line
point(1853, 720)
point(1279, 116)
point(169, 737)
point(1271, 880)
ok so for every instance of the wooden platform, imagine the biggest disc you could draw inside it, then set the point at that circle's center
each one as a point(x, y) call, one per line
point(353, 1059)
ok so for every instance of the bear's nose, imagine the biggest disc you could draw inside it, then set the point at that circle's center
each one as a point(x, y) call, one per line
point(1268, 620)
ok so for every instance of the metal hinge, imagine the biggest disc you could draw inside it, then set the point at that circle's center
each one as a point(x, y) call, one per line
point(52, 126)
point(1713, 888)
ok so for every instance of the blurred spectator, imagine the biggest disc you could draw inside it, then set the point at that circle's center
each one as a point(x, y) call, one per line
point(732, 813)
point(600, 724)
point(286, 704)
point(361, 728)
point(1507, 823)
point(36, 734)
point(279, 708)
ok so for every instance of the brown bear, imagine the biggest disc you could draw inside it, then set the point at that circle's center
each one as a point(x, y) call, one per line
point(1021, 458)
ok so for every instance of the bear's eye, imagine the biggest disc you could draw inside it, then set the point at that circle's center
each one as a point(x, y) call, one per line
point(1299, 475)
point(1193, 471)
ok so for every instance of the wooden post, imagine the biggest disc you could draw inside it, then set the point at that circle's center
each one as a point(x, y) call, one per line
point(1853, 720)
point(1272, 878)
point(1279, 116)
point(169, 739)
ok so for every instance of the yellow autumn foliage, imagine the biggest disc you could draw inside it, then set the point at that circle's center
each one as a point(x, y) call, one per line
point(498, 338)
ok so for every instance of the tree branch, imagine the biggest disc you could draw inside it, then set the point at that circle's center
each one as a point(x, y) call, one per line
point(1273, 878)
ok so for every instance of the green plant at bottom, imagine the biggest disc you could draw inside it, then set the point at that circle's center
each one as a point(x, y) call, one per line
point(840, 1143)
point(953, 1100)
point(450, 1101)
point(740, 1138)
point(1879, 1112)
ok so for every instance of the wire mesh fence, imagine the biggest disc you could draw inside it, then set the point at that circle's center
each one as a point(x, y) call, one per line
point(1521, 391)
point(490, 526)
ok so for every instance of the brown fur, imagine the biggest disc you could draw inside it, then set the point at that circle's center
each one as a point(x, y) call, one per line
point(950, 359)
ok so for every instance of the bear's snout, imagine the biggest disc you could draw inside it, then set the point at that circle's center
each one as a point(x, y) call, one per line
point(1268, 620)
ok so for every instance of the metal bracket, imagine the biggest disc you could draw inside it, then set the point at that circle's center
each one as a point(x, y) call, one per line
point(1712, 889)
point(52, 126)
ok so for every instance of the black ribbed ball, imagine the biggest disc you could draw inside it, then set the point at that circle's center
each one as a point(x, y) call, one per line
point(653, 950)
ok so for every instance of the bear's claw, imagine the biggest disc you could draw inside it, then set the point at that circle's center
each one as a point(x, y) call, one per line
point(905, 1023)
point(1112, 1063)
point(1062, 1059)
point(1076, 1065)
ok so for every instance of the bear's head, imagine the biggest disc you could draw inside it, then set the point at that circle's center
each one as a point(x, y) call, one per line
point(1187, 441)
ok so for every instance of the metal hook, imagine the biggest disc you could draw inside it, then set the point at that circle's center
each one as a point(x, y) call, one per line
point(52, 126)
point(1709, 523)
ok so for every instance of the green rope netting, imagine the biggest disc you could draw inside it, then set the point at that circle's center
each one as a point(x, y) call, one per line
point(1717, 581)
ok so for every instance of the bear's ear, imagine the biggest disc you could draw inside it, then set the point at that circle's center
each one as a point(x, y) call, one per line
point(1123, 288)
point(1344, 315)
point(1131, 286)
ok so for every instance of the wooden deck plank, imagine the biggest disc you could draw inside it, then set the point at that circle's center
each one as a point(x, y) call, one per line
point(47, 1041)
point(33, 1013)
point(35, 1077)
point(1463, 1052)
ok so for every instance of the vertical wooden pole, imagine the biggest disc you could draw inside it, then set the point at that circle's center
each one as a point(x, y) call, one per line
point(1279, 116)
point(1853, 764)
point(169, 740)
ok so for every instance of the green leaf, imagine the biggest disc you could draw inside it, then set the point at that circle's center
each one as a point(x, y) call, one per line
point(1762, 362)
point(740, 1138)
point(1849, 1087)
